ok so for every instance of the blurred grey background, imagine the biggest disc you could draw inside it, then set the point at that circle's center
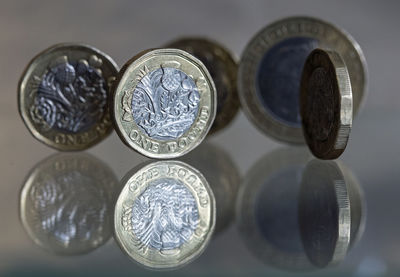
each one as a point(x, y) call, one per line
point(123, 28)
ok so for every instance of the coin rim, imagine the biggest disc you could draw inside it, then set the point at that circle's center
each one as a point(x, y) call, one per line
point(249, 99)
point(21, 95)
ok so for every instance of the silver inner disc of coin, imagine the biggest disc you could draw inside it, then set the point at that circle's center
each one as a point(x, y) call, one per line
point(72, 96)
point(278, 78)
point(165, 215)
point(165, 103)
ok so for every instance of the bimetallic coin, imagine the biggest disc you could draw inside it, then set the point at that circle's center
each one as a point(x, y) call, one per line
point(326, 104)
point(63, 96)
point(66, 203)
point(223, 69)
point(271, 66)
point(164, 215)
point(164, 103)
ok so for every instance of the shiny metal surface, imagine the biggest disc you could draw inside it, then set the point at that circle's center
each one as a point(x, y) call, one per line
point(122, 28)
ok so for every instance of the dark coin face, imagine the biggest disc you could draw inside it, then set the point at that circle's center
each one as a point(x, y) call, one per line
point(326, 104)
point(223, 70)
point(278, 78)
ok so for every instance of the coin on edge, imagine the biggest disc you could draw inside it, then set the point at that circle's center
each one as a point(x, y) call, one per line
point(270, 71)
point(165, 214)
point(164, 103)
point(63, 96)
point(326, 104)
point(66, 203)
point(223, 68)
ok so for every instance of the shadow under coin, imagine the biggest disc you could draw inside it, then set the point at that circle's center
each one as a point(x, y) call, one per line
point(66, 203)
point(277, 211)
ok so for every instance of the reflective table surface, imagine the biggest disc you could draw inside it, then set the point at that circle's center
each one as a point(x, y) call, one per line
point(279, 211)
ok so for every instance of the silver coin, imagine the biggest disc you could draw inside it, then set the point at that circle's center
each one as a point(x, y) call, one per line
point(271, 66)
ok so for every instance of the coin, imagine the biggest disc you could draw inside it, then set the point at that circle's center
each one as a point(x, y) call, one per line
point(164, 103)
point(63, 96)
point(326, 104)
point(66, 203)
point(223, 68)
point(164, 215)
point(270, 71)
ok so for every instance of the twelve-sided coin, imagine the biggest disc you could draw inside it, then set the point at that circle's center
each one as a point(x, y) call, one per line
point(164, 103)
point(63, 96)
point(326, 104)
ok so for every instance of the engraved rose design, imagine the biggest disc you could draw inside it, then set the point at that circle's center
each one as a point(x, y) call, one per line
point(71, 96)
point(165, 215)
point(165, 103)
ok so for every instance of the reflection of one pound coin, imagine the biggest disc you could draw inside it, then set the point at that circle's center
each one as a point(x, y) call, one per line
point(63, 96)
point(326, 104)
point(164, 103)
point(165, 214)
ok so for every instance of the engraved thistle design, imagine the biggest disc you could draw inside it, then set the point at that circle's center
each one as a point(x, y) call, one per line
point(164, 103)
point(164, 216)
point(70, 96)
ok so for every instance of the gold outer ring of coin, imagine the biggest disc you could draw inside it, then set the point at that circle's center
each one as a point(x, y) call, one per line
point(223, 67)
point(326, 104)
point(328, 36)
point(129, 77)
point(135, 183)
point(30, 81)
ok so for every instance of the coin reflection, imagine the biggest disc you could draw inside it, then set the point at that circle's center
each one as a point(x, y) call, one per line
point(223, 177)
point(297, 214)
point(66, 203)
point(164, 215)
